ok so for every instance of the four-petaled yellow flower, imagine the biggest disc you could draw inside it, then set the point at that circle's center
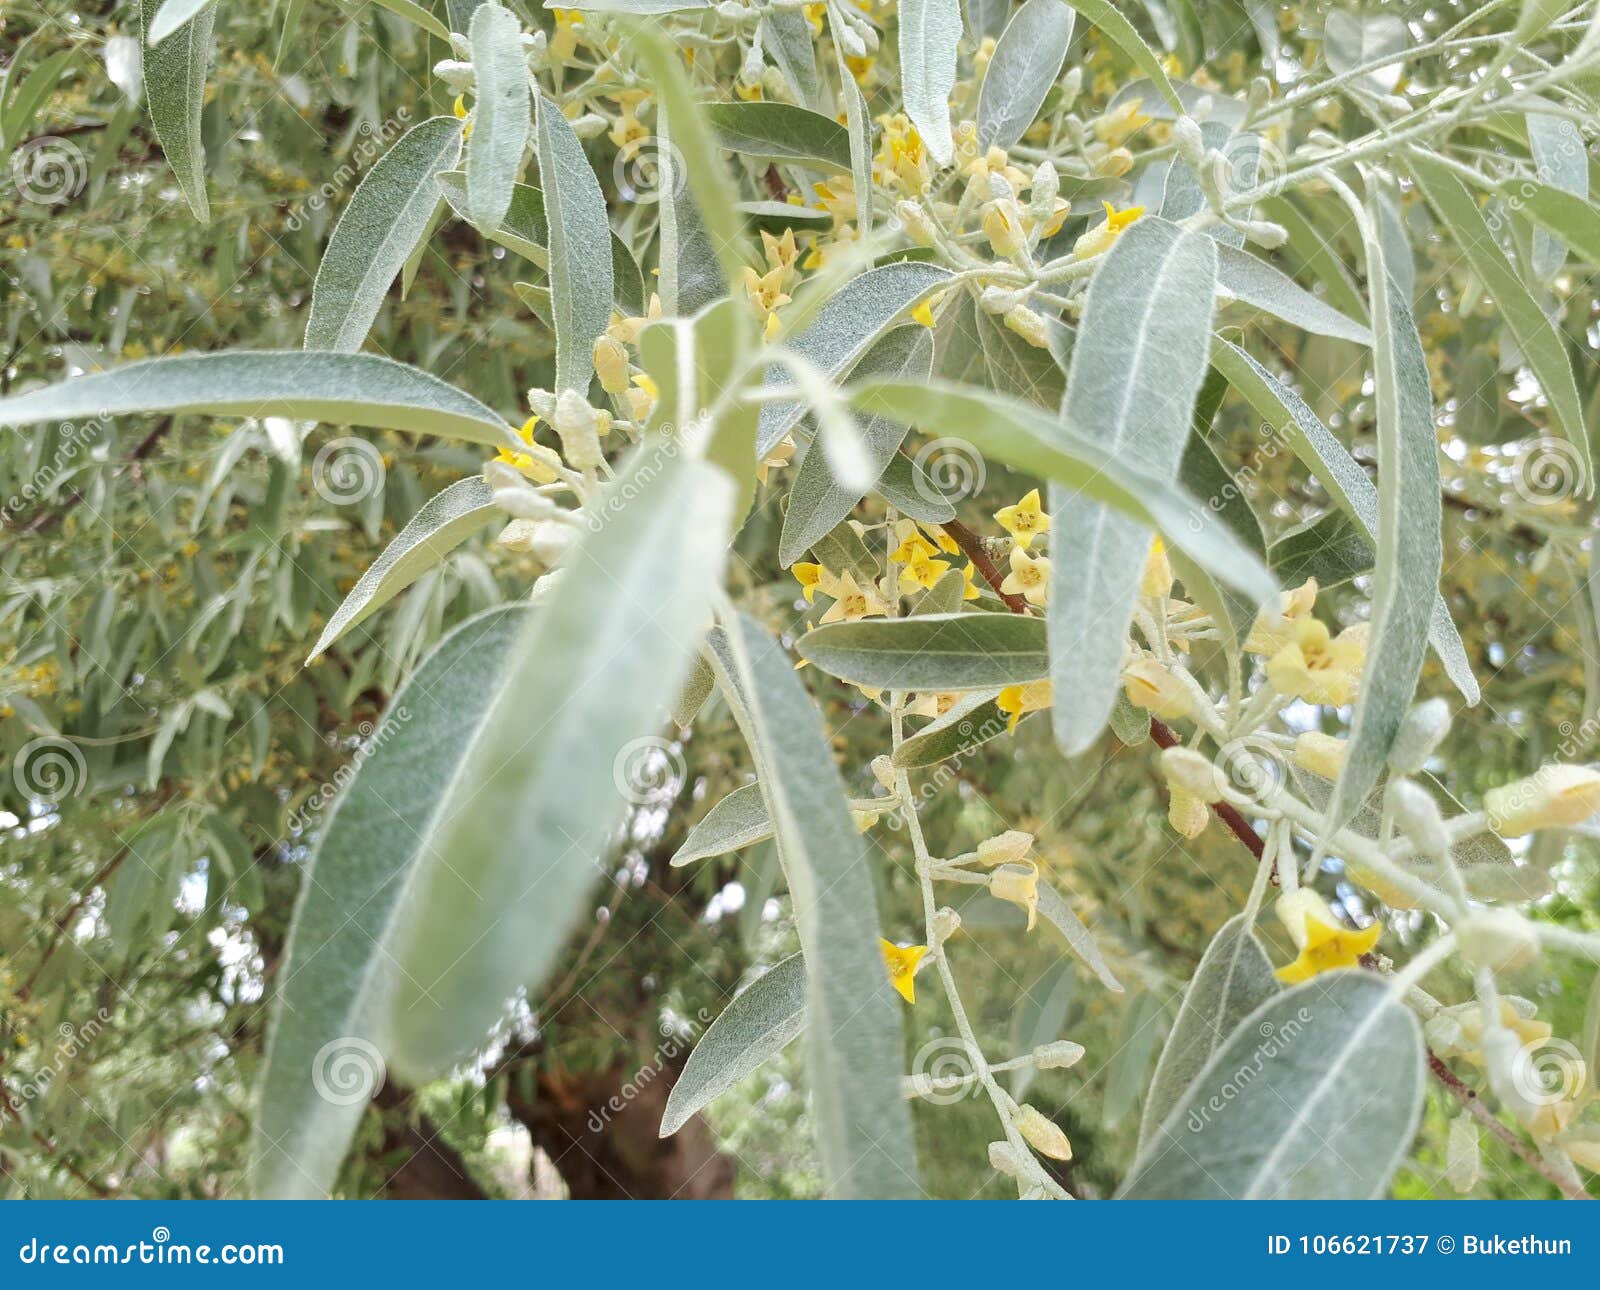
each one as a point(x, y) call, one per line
point(1324, 943)
point(814, 578)
point(538, 464)
point(922, 572)
point(1104, 235)
point(969, 589)
point(902, 964)
point(1029, 577)
point(852, 601)
point(1025, 520)
point(1275, 628)
point(1316, 666)
point(1151, 686)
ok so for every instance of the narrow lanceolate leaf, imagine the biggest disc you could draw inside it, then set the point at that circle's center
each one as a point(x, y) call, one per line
point(580, 247)
point(1029, 439)
point(1255, 282)
point(500, 113)
point(845, 328)
point(1410, 547)
point(780, 132)
point(1105, 17)
point(817, 500)
point(931, 651)
point(386, 219)
point(1233, 979)
point(329, 994)
point(929, 33)
point(1257, 1122)
point(415, 13)
point(348, 389)
point(1573, 219)
point(1536, 336)
point(1333, 548)
point(1137, 365)
point(1561, 157)
point(1053, 908)
point(974, 720)
point(175, 87)
point(787, 36)
point(853, 1049)
point(1026, 61)
point(739, 820)
point(764, 1018)
point(518, 834)
point(172, 15)
point(443, 524)
point(1289, 417)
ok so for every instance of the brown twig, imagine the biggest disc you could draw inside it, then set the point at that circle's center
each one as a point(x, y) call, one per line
point(972, 547)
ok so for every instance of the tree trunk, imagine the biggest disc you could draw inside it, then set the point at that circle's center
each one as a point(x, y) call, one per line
point(602, 1131)
point(418, 1163)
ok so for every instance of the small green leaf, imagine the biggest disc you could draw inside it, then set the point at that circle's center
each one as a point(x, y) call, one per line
point(1054, 909)
point(1332, 548)
point(347, 389)
point(1119, 31)
point(931, 652)
point(500, 114)
point(438, 528)
point(1253, 281)
point(1233, 979)
point(974, 720)
point(739, 820)
point(930, 30)
point(386, 219)
point(780, 132)
point(1340, 1050)
point(1026, 61)
point(787, 36)
point(175, 87)
point(763, 1019)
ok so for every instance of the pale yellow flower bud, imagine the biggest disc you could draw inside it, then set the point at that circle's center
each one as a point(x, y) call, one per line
point(1010, 847)
point(1057, 1055)
point(1003, 1159)
point(1018, 883)
point(946, 923)
point(883, 771)
point(1320, 754)
point(1030, 326)
point(1043, 1134)
point(579, 435)
point(611, 365)
point(1556, 796)
point(1157, 578)
point(1002, 228)
point(1187, 814)
point(1152, 687)
point(1190, 772)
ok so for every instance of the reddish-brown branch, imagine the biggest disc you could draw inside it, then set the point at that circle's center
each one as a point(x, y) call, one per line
point(1229, 815)
point(972, 547)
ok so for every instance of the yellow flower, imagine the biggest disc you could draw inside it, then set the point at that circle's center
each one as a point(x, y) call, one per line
point(852, 601)
point(459, 107)
point(749, 93)
point(781, 251)
point(611, 364)
point(564, 41)
point(912, 543)
point(944, 541)
point(642, 398)
point(1029, 577)
point(923, 313)
point(1025, 520)
point(1316, 667)
point(1157, 578)
point(1114, 127)
point(765, 290)
point(902, 963)
point(1324, 943)
point(1152, 687)
point(1002, 228)
point(1103, 235)
point(901, 159)
point(1557, 796)
point(1274, 628)
point(969, 587)
point(1015, 700)
point(922, 572)
point(1018, 883)
point(538, 464)
point(812, 579)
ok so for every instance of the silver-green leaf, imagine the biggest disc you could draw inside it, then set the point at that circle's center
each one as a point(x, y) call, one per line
point(500, 113)
point(930, 30)
point(739, 820)
point(175, 88)
point(1026, 61)
point(581, 284)
point(931, 651)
